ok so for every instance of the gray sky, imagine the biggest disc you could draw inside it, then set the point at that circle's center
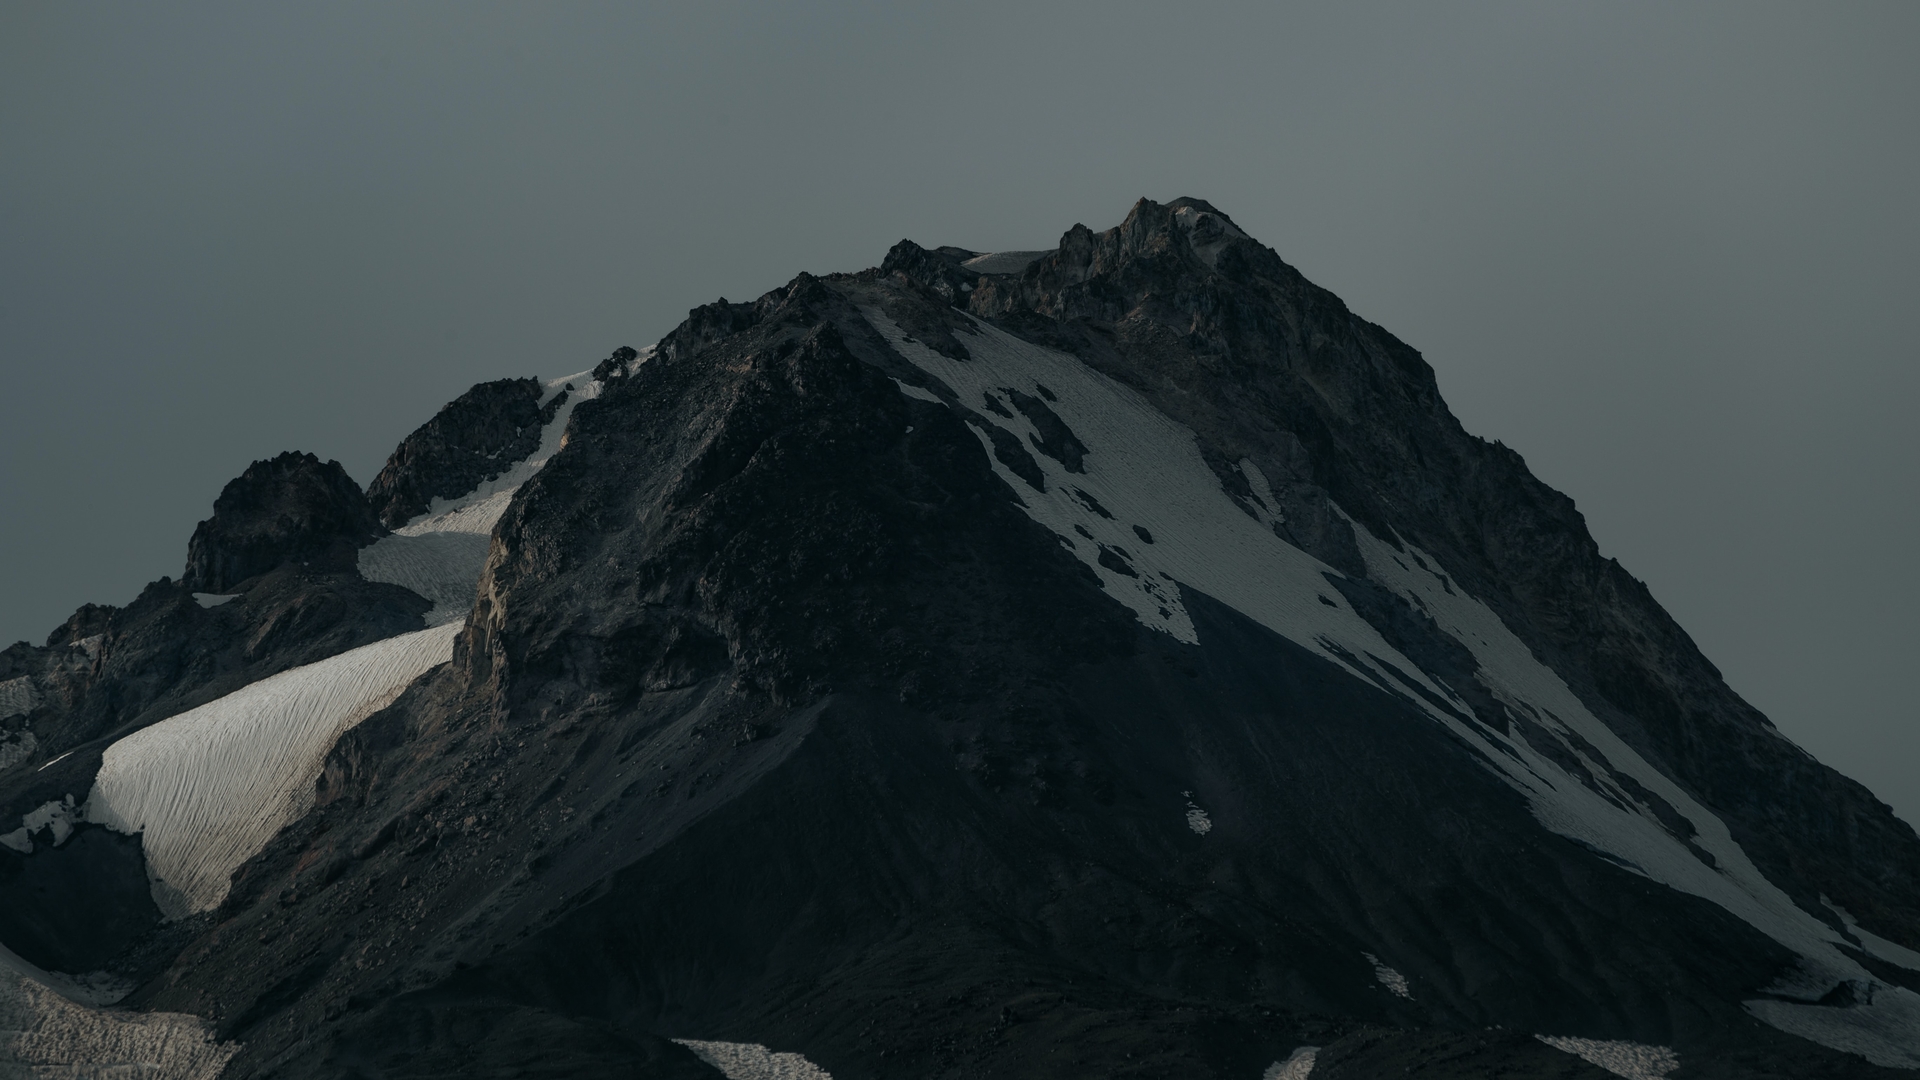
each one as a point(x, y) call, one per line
point(1666, 252)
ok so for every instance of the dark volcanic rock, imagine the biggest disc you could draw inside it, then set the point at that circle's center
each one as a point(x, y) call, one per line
point(292, 508)
point(72, 908)
point(473, 439)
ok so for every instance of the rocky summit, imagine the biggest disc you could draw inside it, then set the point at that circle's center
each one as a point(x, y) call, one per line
point(1110, 661)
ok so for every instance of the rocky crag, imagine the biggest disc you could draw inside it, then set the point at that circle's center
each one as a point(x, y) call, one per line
point(1112, 660)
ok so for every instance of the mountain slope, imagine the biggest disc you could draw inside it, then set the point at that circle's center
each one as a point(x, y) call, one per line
point(1113, 660)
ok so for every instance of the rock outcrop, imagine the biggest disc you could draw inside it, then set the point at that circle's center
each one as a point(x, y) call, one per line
point(476, 437)
point(293, 508)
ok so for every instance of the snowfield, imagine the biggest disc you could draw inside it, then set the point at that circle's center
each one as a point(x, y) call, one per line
point(207, 789)
point(1148, 515)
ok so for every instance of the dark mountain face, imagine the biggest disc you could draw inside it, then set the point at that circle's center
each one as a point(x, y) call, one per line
point(1106, 661)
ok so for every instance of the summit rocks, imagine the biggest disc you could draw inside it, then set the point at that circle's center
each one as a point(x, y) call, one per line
point(293, 507)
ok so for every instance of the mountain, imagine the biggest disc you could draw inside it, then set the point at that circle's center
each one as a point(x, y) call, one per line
point(1105, 661)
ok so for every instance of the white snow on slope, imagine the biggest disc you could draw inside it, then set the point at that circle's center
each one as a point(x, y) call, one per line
point(1198, 821)
point(44, 1034)
point(1298, 1066)
point(1634, 1061)
point(440, 553)
point(751, 1061)
point(440, 566)
point(1144, 469)
point(207, 789)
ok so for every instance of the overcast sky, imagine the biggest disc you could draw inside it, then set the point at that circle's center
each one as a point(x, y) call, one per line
point(1667, 252)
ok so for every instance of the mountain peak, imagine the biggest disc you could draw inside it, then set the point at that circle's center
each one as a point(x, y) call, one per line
point(1107, 660)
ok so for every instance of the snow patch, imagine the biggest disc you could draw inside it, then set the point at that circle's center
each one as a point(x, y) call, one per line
point(18, 697)
point(1635, 1061)
point(55, 817)
point(918, 393)
point(212, 600)
point(207, 789)
point(1197, 819)
point(443, 567)
point(1395, 982)
point(1298, 1066)
point(751, 1061)
point(49, 1033)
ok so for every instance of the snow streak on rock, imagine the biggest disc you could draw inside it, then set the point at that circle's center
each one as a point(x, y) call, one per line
point(1635, 1061)
point(207, 789)
point(440, 553)
point(1395, 982)
point(1143, 476)
point(1610, 810)
point(1874, 944)
point(751, 1061)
